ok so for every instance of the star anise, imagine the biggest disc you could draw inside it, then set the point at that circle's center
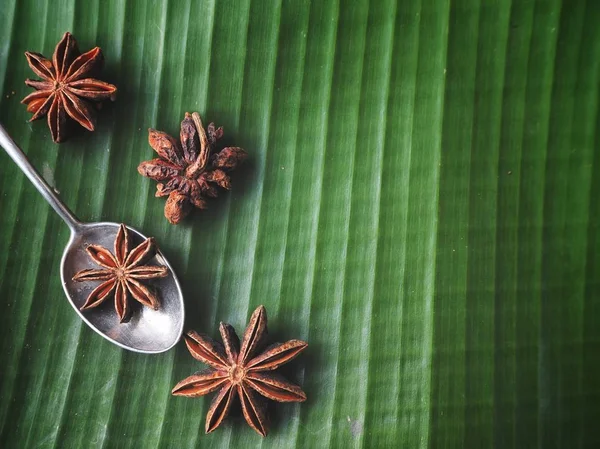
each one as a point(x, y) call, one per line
point(67, 86)
point(191, 171)
point(246, 372)
point(122, 274)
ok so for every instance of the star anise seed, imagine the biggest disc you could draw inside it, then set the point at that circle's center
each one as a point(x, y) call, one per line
point(189, 171)
point(122, 274)
point(245, 372)
point(67, 87)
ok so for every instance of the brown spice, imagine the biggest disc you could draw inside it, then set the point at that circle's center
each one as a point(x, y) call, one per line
point(246, 372)
point(121, 274)
point(190, 171)
point(67, 87)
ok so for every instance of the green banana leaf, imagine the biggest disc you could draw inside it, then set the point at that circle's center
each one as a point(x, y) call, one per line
point(421, 204)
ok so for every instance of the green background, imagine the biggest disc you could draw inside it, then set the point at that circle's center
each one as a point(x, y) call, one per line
point(421, 205)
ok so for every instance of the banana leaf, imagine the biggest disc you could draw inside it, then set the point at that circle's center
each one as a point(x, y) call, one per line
point(421, 205)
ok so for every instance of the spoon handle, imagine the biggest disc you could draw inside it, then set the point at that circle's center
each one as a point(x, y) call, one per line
point(36, 179)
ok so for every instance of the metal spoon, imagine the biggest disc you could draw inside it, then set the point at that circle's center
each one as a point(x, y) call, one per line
point(148, 331)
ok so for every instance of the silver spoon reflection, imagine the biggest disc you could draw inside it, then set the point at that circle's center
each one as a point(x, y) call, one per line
point(148, 331)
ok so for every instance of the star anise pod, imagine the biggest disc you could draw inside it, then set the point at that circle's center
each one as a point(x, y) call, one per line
point(122, 274)
point(191, 171)
point(246, 372)
point(67, 87)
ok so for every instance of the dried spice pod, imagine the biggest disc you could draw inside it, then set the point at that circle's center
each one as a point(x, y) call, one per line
point(245, 372)
point(122, 274)
point(191, 170)
point(67, 88)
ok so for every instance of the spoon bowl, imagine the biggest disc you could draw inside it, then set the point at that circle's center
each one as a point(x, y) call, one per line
point(148, 331)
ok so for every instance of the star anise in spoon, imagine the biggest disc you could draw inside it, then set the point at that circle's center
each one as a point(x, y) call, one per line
point(67, 87)
point(245, 372)
point(191, 171)
point(121, 274)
